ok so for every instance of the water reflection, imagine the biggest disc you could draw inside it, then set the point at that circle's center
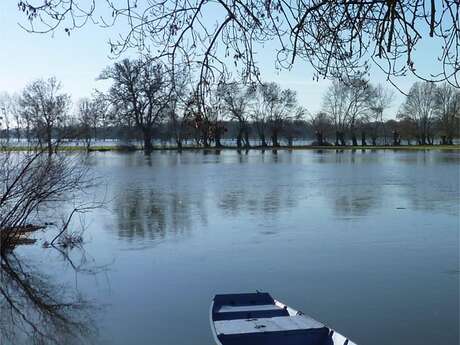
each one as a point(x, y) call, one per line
point(262, 201)
point(153, 214)
point(236, 221)
point(34, 309)
point(348, 205)
point(171, 193)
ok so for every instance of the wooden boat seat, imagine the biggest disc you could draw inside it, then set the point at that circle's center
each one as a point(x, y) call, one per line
point(263, 325)
point(314, 336)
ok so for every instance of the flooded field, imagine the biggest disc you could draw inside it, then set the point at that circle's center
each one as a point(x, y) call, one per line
point(366, 242)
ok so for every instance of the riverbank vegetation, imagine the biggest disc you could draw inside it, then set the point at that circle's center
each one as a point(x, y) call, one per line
point(151, 106)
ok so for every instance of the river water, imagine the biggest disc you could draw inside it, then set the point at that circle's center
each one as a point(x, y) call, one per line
point(365, 242)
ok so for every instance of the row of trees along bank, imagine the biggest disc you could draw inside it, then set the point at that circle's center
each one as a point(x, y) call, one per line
point(146, 101)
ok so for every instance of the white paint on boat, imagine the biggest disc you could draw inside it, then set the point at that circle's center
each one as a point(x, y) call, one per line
point(243, 308)
point(273, 324)
point(339, 339)
point(290, 310)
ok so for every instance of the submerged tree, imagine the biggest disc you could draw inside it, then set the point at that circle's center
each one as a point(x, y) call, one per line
point(180, 91)
point(6, 110)
point(44, 105)
point(258, 111)
point(235, 99)
point(33, 186)
point(380, 101)
point(347, 104)
point(321, 125)
point(140, 94)
point(420, 107)
point(281, 106)
point(91, 112)
point(447, 105)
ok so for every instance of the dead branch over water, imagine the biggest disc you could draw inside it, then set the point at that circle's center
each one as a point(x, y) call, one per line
point(338, 38)
point(33, 307)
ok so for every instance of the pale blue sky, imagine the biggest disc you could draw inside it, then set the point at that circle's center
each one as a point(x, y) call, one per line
point(77, 61)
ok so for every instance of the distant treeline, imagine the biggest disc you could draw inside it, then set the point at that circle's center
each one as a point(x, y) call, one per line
point(300, 132)
point(149, 103)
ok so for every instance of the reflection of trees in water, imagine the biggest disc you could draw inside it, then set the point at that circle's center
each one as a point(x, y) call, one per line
point(355, 201)
point(34, 310)
point(433, 193)
point(155, 214)
point(356, 185)
point(258, 200)
point(433, 181)
point(426, 180)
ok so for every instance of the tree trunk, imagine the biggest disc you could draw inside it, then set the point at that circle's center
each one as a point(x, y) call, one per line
point(49, 141)
point(218, 143)
point(264, 142)
point(238, 140)
point(179, 144)
point(363, 139)
point(353, 139)
point(217, 134)
point(246, 139)
point(423, 140)
point(319, 138)
point(147, 140)
point(275, 139)
point(374, 141)
point(396, 139)
point(337, 138)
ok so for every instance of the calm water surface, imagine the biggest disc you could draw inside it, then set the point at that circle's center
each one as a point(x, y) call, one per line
point(366, 242)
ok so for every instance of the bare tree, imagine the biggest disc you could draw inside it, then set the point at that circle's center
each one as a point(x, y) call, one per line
point(336, 37)
point(347, 104)
point(31, 183)
point(44, 104)
point(199, 120)
point(448, 112)
point(235, 99)
point(140, 94)
point(91, 111)
point(215, 113)
point(258, 112)
point(6, 109)
point(407, 129)
point(334, 106)
point(420, 107)
point(281, 106)
point(18, 119)
point(32, 186)
point(321, 124)
point(180, 92)
point(379, 102)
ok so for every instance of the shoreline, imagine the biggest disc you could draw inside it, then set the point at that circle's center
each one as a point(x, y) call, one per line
point(107, 148)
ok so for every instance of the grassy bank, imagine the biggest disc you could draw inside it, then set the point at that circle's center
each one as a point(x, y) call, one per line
point(195, 148)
